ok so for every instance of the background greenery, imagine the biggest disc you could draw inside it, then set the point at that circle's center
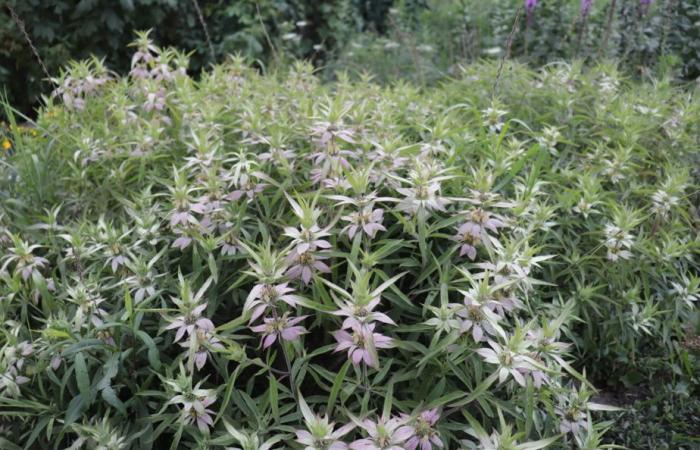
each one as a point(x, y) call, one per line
point(418, 39)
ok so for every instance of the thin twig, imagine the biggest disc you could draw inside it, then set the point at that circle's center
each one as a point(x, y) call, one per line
point(204, 27)
point(583, 24)
point(670, 9)
point(20, 25)
point(608, 27)
point(275, 56)
point(406, 41)
point(506, 54)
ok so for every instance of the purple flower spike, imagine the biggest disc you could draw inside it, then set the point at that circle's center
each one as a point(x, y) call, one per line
point(586, 7)
point(644, 6)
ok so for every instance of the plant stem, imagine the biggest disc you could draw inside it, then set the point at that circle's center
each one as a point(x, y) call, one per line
point(608, 26)
point(292, 382)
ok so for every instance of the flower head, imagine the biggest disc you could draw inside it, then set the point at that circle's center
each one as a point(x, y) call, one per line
point(362, 344)
point(585, 7)
point(203, 342)
point(246, 188)
point(476, 230)
point(384, 434)
point(265, 296)
point(367, 220)
point(282, 327)
point(199, 414)
point(423, 431)
point(308, 239)
point(618, 242)
point(478, 316)
point(189, 321)
point(26, 262)
point(191, 308)
point(303, 265)
point(508, 362)
point(357, 314)
point(421, 199)
point(320, 433)
point(493, 116)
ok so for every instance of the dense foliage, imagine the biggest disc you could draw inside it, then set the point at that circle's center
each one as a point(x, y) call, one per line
point(422, 40)
point(425, 43)
point(261, 30)
point(265, 261)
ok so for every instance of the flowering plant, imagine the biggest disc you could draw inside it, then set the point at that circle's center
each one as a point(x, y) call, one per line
point(263, 261)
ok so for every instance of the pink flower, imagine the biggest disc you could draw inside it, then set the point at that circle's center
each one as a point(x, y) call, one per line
point(321, 434)
point(56, 360)
point(328, 133)
point(264, 296)
point(283, 327)
point(424, 432)
point(184, 240)
point(187, 323)
point(184, 214)
point(478, 317)
point(483, 221)
point(358, 315)
point(539, 377)
point(304, 264)
point(572, 417)
point(246, 188)
point(508, 362)
point(475, 230)
point(504, 301)
point(205, 341)
point(278, 155)
point(308, 239)
point(117, 261)
point(467, 236)
point(155, 100)
point(366, 220)
point(26, 263)
point(422, 199)
point(230, 239)
point(385, 434)
point(199, 414)
point(362, 344)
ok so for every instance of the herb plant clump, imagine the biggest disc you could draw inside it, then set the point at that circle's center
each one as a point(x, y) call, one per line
point(264, 261)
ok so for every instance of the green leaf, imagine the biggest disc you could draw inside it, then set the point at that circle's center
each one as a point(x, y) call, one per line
point(601, 407)
point(129, 306)
point(5, 444)
point(536, 445)
point(274, 398)
point(153, 354)
point(75, 409)
point(81, 375)
point(110, 397)
point(337, 385)
point(305, 410)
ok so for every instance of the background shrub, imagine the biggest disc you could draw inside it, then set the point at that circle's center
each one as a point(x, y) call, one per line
point(63, 30)
point(415, 39)
point(425, 40)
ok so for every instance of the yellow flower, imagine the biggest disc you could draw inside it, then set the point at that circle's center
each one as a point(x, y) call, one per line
point(6, 144)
